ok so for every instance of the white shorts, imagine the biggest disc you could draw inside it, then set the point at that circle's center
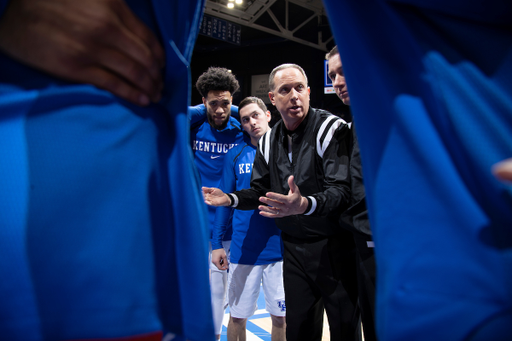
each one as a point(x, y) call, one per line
point(244, 283)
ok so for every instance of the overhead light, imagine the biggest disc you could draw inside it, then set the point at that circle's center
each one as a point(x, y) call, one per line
point(231, 5)
point(238, 2)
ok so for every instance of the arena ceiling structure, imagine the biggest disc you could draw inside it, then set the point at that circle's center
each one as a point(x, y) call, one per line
point(264, 21)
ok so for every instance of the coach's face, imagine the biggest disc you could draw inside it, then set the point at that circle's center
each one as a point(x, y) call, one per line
point(218, 108)
point(290, 96)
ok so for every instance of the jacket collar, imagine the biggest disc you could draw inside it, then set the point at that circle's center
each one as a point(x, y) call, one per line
point(302, 126)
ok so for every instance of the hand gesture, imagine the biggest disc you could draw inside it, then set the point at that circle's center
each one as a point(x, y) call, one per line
point(284, 205)
point(215, 197)
point(99, 42)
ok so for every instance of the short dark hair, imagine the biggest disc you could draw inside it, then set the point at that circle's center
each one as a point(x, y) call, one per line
point(271, 83)
point(217, 78)
point(332, 53)
point(251, 99)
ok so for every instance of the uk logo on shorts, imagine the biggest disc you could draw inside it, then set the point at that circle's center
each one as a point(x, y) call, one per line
point(281, 305)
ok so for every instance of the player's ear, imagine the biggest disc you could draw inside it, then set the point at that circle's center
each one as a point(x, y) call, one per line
point(269, 117)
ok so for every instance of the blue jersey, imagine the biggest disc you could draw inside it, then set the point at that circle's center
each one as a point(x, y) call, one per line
point(103, 229)
point(439, 73)
point(210, 146)
point(256, 239)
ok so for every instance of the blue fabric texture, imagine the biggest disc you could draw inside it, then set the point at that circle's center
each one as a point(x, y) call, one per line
point(104, 232)
point(256, 240)
point(440, 115)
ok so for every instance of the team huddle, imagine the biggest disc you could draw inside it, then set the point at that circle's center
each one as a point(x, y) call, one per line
point(280, 193)
point(105, 170)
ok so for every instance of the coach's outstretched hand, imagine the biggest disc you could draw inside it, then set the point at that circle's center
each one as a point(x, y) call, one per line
point(280, 205)
point(215, 197)
point(100, 42)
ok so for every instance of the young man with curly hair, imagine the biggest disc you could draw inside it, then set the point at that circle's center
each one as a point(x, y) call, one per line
point(212, 137)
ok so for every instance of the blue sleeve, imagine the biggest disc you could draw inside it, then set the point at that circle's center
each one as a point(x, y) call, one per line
point(197, 113)
point(223, 214)
point(234, 112)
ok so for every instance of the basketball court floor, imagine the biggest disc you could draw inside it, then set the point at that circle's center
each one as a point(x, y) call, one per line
point(260, 325)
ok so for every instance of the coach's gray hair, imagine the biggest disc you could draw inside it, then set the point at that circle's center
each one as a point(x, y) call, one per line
point(271, 83)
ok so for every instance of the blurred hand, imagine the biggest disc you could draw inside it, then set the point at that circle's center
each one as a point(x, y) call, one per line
point(284, 205)
point(503, 170)
point(99, 42)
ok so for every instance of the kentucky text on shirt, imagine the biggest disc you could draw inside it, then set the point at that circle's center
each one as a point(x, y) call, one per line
point(213, 147)
point(244, 168)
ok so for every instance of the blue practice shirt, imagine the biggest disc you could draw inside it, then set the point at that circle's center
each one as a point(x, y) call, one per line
point(103, 231)
point(256, 239)
point(430, 85)
point(210, 146)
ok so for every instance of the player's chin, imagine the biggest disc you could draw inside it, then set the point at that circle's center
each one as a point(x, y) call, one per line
point(258, 135)
point(220, 124)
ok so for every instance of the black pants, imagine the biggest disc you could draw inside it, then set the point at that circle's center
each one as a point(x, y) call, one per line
point(320, 274)
point(366, 284)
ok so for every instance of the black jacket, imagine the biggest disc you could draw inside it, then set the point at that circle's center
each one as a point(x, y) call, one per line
point(320, 166)
point(355, 218)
